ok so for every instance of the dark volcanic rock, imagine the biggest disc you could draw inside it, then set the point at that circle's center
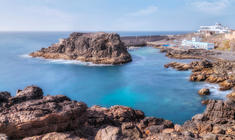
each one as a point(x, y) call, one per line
point(37, 117)
point(4, 96)
point(99, 48)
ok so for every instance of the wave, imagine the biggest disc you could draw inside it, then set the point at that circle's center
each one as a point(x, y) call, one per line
point(132, 48)
point(25, 56)
point(62, 61)
point(76, 62)
point(215, 92)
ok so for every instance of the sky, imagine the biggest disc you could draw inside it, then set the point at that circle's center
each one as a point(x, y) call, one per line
point(114, 15)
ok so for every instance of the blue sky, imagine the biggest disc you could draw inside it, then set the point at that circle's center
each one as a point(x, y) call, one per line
point(114, 15)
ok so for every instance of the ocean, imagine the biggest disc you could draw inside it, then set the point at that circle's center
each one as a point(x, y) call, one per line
point(143, 84)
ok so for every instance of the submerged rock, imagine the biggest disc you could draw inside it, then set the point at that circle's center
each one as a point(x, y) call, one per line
point(37, 117)
point(99, 48)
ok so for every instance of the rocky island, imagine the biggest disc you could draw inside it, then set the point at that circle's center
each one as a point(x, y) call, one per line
point(32, 116)
point(98, 48)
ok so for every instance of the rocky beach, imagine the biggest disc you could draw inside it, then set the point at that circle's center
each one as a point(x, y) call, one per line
point(32, 116)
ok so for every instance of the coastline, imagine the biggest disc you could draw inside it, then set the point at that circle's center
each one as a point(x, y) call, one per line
point(29, 111)
point(66, 118)
point(64, 61)
point(216, 69)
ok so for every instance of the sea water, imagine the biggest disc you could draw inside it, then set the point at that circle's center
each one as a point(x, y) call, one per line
point(143, 84)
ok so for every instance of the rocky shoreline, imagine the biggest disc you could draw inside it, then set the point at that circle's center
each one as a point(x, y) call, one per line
point(32, 116)
point(209, 68)
point(98, 48)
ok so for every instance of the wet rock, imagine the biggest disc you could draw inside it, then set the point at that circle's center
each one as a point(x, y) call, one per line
point(205, 102)
point(204, 91)
point(227, 85)
point(178, 66)
point(99, 48)
point(198, 77)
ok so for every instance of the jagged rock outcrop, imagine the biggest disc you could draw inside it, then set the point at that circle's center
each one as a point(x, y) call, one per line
point(178, 66)
point(220, 72)
point(99, 48)
point(29, 113)
point(217, 121)
point(31, 116)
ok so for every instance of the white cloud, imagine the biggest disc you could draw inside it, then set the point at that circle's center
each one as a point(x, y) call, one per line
point(40, 18)
point(210, 7)
point(144, 12)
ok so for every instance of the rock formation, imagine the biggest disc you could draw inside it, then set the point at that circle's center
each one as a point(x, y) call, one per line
point(204, 91)
point(219, 71)
point(188, 54)
point(31, 116)
point(99, 48)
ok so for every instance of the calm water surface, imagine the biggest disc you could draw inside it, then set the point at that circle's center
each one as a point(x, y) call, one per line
point(142, 84)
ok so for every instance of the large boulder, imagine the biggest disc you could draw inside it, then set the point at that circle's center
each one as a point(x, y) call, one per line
point(99, 48)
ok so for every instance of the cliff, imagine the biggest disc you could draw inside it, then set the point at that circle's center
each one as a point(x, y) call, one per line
point(99, 48)
point(31, 116)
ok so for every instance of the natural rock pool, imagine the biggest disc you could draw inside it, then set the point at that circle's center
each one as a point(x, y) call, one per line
point(142, 84)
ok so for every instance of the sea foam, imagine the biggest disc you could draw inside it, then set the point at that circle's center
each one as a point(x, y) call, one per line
point(215, 92)
point(62, 61)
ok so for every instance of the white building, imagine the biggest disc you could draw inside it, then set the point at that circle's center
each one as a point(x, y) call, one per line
point(196, 44)
point(217, 28)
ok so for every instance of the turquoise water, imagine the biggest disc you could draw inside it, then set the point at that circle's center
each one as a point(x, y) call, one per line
point(142, 84)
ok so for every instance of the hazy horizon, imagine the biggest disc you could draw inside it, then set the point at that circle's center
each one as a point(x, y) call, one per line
point(111, 15)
